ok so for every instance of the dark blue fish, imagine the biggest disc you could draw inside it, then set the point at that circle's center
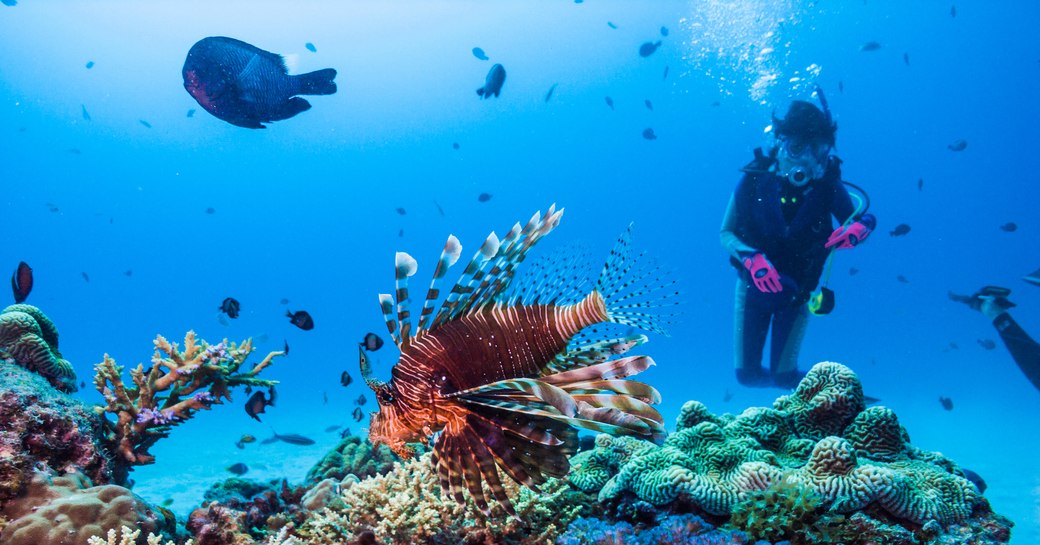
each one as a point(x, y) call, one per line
point(958, 145)
point(22, 281)
point(345, 379)
point(493, 82)
point(902, 279)
point(401, 211)
point(479, 53)
point(648, 133)
point(870, 46)
point(310, 47)
point(665, 76)
point(238, 469)
point(455, 145)
point(611, 25)
point(372, 342)
point(609, 101)
point(357, 414)
point(946, 403)
point(332, 428)
point(906, 59)
point(484, 197)
point(90, 64)
point(649, 105)
point(293, 439)
point(86, 277)
point(146, 124)
point(664, 31)
point(1009, 227)
point(256, 404)
point(853, 271)
point(9, 2)
point(301, 319)
point(900, 230)
point(230, 306)
point(86, 114)
point(191, 112)
point(988, 344)
point(550, 93)
point(920, 184)
point(247, 86)
point(648, 48)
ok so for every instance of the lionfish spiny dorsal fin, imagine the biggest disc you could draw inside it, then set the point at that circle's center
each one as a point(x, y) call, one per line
point(495, 268)
point(470, 277)
point(386, 305)
point(449, 256)
point(633, 287)
point(404, 267)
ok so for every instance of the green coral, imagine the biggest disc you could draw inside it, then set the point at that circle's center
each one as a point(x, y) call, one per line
point(30, 339)
point(783, 511)
point(352, 456)
point(591, 469)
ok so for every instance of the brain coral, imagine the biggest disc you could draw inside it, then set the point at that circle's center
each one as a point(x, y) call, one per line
point(30, 339)
point(819, 437)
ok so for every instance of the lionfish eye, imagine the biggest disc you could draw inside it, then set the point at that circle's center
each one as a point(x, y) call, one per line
point(385, 396)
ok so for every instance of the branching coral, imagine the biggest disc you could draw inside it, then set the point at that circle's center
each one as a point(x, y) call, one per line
point(128, 536)
point(177, 385)
point(29, 339)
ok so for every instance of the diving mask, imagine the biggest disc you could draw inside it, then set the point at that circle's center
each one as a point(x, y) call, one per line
point(802, 161)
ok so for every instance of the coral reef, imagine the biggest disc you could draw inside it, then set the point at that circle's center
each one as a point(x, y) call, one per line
point(129, 536)
point(29, 339)
point(713, 463)
point(686, 529)
point(178, 383)
point(44, 429)
point(255, 508)
point(352, 456)
point(57, 510)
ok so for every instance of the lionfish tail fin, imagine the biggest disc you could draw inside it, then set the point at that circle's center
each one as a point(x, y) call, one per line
point(636, 289)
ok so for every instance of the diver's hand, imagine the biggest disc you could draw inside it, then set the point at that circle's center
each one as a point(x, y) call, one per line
point(763, 273)
point(848, 237)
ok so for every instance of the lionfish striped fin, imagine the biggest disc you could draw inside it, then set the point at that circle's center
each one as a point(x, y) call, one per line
point(631, 388)
point(613, 369)
point(488, 468)
point(546, 393)
point(633, 287)
point(386, 305)
point(587, 416)
point(470, 277)
point(449, 256)
point(561, 277)
point(404, 267)
point(585, 352)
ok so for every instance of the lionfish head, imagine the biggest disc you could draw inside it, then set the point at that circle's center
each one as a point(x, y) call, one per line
point(386, 426)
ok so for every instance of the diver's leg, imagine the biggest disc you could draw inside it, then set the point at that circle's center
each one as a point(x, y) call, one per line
point(1024, 350)
point(788, 332)
point(751, 323)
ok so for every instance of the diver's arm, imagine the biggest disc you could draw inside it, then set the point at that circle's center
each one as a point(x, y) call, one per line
point(845, 212)
point(728, 235)
point(1024, 350)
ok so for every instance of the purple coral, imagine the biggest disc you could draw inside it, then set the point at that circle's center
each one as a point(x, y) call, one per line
point(205, 398)
point(157, 418)
point(686, 529)
point(217, 353)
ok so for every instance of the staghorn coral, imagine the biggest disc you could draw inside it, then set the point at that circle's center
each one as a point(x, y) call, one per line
point(129, 536)
point(61, 510)
point(178, 383)
point(713, 463)
point(352, 456)
point(30, 339)
point(45, 429)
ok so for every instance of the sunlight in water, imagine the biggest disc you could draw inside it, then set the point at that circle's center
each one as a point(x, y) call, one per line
point(740, 44)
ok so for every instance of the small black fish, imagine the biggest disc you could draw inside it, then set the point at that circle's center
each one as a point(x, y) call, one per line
point(272, 396)
point(238, 469)
point(648, 48)
point(240, 445)
point(86, 114)
point(74, 151)
point(953, 11)
point(902, 279)
point(958, 145)
point(1009, 227)
point(611, 25)
point(357, 414)
point(900, 230)
point(301, 319)
point(247, 86)
point(953, 346)
point(610, 102)
point(871, 400)
point(324, 398)
point(146, 124)
point(361, 400)
point(906, 59)
point(853, 271)
point(22, 281)
point(946, 403)
point(345, 379)
point(283, 301)
point(484, 197)
point(665, 75)
point(332, 428)
point(988, 344)
point(727, 396)
point(455, 145)
point(664, 31)
point(167, 502)
point(479, 53)
point(285, 347)
point(128, 273)
point(586, 442)
point(920, 184)
point(649, 105)
point(86, 277)
point(372, 342)
point(976, 479)
point(294, 439)
point(256, 404)
point(90, 64)
point(230, 306)
point(210, 210)
point(493, 82)
point(648, 133)
point(870, 46)
point(82, 384)
point(51, 207)
point(716, 103)
point(439, 209)
point(310, 47)
point(191, 112)
point(400, 233)
point(550, 93)
point(841, 86)
point(402, 211)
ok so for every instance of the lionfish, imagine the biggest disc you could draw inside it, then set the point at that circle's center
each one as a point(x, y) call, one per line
point(500, 376)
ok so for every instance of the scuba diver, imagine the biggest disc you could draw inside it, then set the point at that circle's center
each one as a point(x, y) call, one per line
point(779, 235)
point(993, 302)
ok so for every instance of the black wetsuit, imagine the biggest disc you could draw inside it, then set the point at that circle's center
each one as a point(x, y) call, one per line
point(790, 225)
point(1024, 350)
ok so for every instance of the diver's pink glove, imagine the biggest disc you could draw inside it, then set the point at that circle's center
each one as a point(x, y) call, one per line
point(763, 274)
point(848, 237)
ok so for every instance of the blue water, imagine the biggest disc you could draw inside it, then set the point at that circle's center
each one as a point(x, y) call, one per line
point(306, 209)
